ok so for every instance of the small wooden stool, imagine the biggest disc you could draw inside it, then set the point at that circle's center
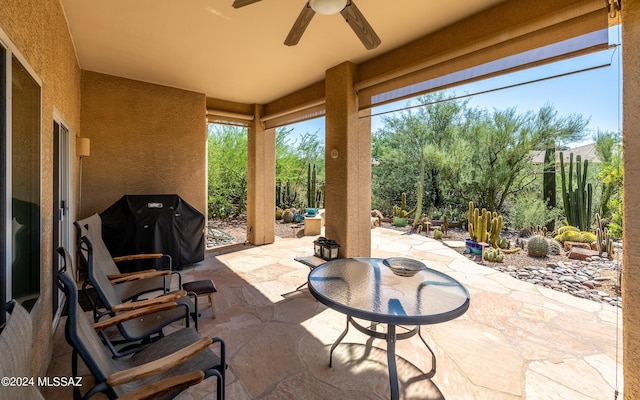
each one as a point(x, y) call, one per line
point(201, 288)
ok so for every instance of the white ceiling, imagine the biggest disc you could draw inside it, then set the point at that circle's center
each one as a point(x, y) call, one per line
point(209, 47)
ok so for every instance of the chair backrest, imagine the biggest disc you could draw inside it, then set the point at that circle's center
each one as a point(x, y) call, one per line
point(93, 222)
point(93, 225)
point(79, 331)
point(99, 266)
point(15, 347)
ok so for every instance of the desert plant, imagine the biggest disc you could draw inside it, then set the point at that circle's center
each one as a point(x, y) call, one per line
point(525, 233)
point(565, 228)
point(555, 248)
point(314, 191)
point(587, 237)
point(445, 224)
point(537, 246)
point(604, 243)
point(288, 215)
point(478, 223)
point(401, 211)
point(577, 202)
point(437, 234)
point(494, 255)
point(285, 197)
point(418, 208)
point(503, 243)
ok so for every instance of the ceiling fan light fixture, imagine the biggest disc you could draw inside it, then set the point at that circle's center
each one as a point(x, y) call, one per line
point(327, 7)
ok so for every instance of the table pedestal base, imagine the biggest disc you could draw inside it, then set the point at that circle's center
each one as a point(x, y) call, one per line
point(390, 337)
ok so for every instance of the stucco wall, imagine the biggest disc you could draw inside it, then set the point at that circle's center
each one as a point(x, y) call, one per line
point(631, 150)
point(38, 30)
point(145, 139)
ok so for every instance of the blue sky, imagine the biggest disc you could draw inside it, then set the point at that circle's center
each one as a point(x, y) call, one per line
point(595, 94)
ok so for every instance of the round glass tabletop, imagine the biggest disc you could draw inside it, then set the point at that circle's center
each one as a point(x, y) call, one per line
point(368, 288)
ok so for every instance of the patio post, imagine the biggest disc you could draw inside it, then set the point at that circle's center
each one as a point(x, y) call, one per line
point(347, 165)
point(261, 182)
point(631, 226)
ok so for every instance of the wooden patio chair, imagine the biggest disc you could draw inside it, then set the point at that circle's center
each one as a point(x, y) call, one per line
point(136, 332)
point(159, 371)
point(128, 286)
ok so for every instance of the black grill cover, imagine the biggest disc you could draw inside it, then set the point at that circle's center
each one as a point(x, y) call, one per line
point(162, 223)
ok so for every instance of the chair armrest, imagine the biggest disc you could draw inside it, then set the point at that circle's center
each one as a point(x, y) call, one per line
point(132, 305)
point(133, 257)
point(165, 386)
point(134, 276)
point(133, 314)
point(125, 274)
point(144, 256)
point(160, 365)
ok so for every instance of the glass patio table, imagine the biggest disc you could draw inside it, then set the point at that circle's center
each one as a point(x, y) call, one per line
point(369, 289)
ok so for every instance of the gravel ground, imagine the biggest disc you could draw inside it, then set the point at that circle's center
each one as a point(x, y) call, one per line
point(602, 275)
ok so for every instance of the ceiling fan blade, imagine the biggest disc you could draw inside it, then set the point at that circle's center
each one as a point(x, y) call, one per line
point(299, 26)
point(360, 26)
point(242, 3)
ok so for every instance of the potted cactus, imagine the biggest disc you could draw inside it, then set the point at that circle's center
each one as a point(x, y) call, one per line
point(400, 213)
point(477, 226)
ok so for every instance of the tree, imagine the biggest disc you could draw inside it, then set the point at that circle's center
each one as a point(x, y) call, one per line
point(227, 170)
point(227, 165)
point(293, 155)
point(405, 146)
point(489, 159)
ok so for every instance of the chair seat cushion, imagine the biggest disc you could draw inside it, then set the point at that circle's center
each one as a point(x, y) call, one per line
point(205, 286)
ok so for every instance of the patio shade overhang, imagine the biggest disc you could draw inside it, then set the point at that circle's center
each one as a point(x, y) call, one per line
point(237, 59)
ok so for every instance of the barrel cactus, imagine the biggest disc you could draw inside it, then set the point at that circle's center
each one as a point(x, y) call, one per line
point(566, 228)
point(571, 236)
point(555, 248)
point(538, 246)
point(288, 215)
point(587, 237)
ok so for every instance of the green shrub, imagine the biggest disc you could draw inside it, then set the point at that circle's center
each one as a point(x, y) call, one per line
point(530, 210)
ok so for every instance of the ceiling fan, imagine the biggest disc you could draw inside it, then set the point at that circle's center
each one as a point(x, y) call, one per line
point(347, 8)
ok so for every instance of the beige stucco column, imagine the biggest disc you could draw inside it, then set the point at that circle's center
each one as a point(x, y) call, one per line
point(631, 225)
point(348, 165)
point(261, 186)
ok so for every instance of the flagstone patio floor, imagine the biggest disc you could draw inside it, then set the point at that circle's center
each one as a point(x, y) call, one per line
point(516, 341)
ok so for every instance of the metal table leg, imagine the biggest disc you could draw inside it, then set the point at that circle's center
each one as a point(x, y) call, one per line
point(338, 340)
point(391, 337)
point(391, 361)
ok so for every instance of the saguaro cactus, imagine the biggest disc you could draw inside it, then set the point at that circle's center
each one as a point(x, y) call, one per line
point(418, 217)
point(577, 202)
point(311, 186)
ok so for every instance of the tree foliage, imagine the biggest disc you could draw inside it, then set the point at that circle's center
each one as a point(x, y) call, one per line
point(227, 165)
point(462, 153)
point(610, 178)
point(227, 170)
point(407, 146)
